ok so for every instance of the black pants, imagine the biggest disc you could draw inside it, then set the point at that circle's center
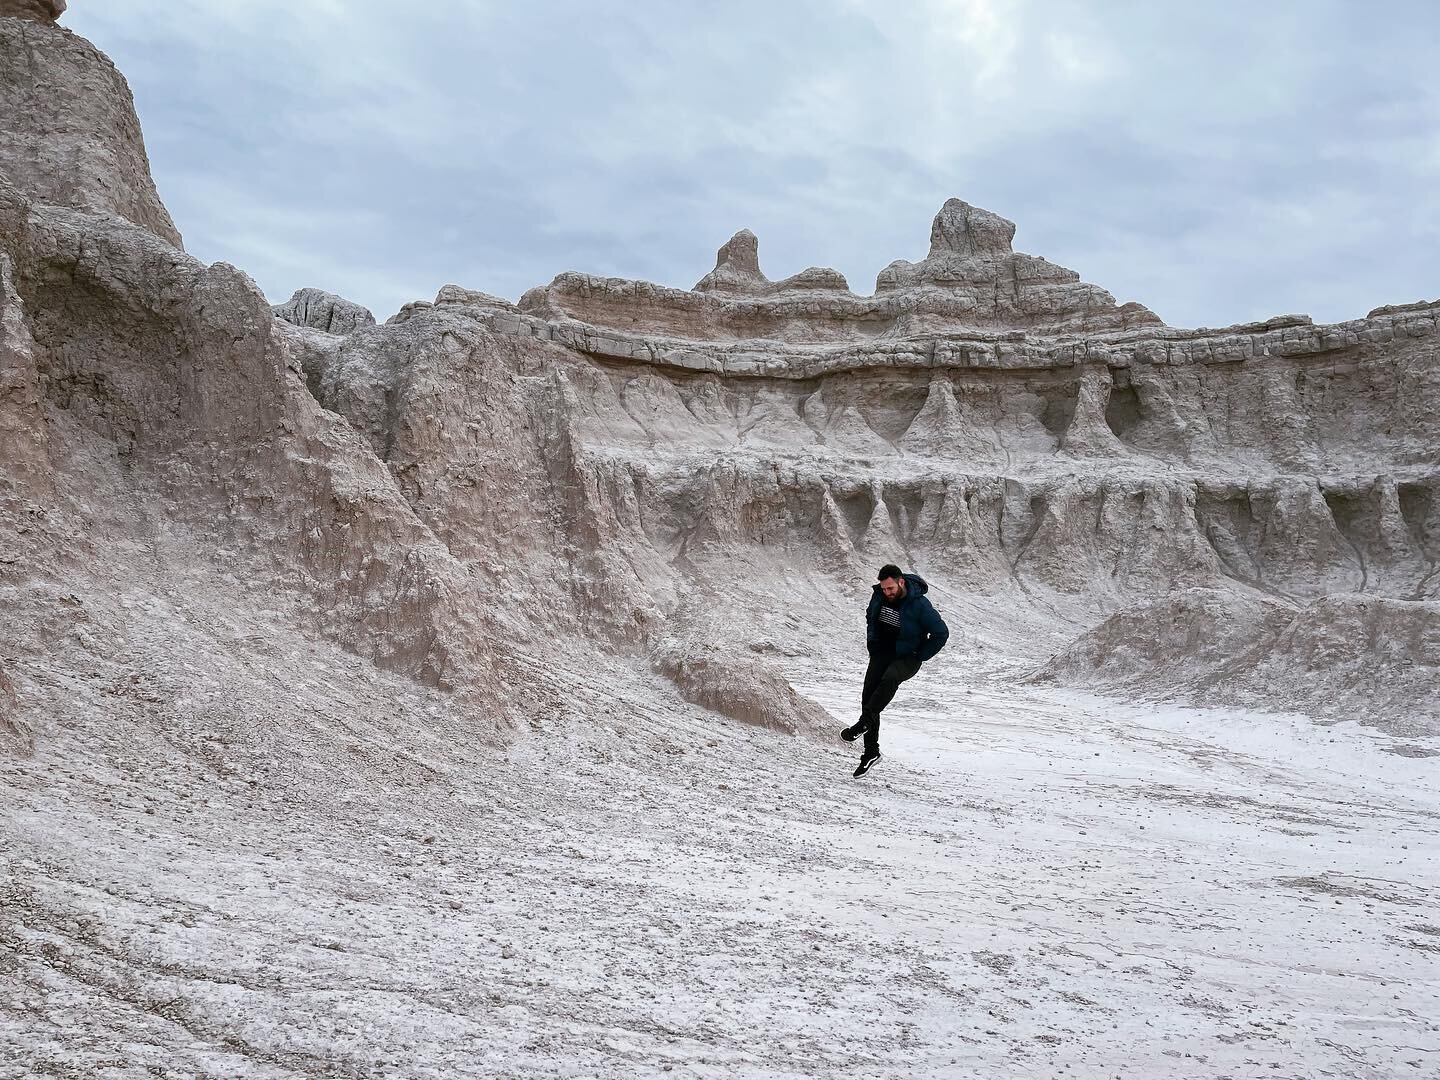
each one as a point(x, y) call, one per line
point(882, 678)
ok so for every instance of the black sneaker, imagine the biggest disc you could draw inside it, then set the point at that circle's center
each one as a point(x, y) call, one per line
point(850, 734)
point(867, 762)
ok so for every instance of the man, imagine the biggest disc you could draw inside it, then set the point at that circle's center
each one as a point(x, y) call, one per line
point(902, 631)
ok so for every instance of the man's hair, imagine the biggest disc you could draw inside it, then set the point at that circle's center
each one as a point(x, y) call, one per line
point(890, 570)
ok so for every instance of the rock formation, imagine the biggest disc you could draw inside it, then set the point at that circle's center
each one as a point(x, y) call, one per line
point(985, 282)
point(68, 131)
point(1343, 654)
point(157, 430)
point(321, 310)
point(737, 267)
point(1276, 460)
point(650, 467)
point(377, 699)
point(46, 11)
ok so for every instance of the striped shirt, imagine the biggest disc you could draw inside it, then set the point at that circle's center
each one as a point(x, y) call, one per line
point(887, 629)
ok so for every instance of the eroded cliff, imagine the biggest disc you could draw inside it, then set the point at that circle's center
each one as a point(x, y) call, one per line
point(404, 699)
point(689, 442)
point(649, 468)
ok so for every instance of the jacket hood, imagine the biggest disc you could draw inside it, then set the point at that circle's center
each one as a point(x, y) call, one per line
point(914, 583)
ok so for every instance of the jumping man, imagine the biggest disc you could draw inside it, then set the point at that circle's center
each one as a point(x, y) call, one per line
point(902, 631)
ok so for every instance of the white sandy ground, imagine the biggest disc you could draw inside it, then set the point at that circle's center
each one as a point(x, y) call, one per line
point(1033, 883)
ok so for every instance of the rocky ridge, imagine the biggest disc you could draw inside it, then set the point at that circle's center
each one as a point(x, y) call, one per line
point(380, 699)
point(1082, 471)
point(971, 283)
point(648, 465)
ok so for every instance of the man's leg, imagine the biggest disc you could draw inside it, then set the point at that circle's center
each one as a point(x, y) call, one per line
point(879, 695)
point(873, 673)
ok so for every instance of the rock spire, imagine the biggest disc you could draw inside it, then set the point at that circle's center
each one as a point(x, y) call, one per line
point(962, 229)
point(737, 267)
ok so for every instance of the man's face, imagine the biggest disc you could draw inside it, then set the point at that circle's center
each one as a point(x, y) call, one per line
point(893, 588)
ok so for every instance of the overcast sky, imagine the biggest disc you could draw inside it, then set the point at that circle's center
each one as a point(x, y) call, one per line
point(1218, 162)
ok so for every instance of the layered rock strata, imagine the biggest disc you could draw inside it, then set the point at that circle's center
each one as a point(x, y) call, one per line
point(1289, 457)
point(971, 283)
point(485, 496)
point(1278, 459)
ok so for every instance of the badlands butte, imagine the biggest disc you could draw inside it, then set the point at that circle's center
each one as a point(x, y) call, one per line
point(291, 595)
point(696, 483)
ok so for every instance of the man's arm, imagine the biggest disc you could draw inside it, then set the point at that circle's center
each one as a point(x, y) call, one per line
point(938, 633)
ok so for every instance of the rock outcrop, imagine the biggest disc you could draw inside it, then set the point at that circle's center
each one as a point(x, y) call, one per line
point(650, 467)
point(68, 131)
point(971, 287)
point(744, 689)
point(1341, 656)
point(737, 271)
point(737, 267)
point(46, 11)
point(150, 362)
point(1275, 459)
point(321, 310)
point(986, 283)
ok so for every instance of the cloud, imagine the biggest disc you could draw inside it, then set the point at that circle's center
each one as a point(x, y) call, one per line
point(1218, 162)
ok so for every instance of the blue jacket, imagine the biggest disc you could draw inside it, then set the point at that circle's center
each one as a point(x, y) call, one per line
point(922, 632)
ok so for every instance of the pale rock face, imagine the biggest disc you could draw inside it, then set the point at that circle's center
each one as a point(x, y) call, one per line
point(37, 10)
point(198, 384)
point(455, 294)
point(24, 435)
point(333, 588)
point(1336, 656)
point(648, 469)
point(971, 260)
point(970, 282)
point(737, 267)
point(321, 310)
point(965, 230)
point(409, 311)
point(815, 277)
point(737, 270)
point(68, 131)
point(744, 689)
